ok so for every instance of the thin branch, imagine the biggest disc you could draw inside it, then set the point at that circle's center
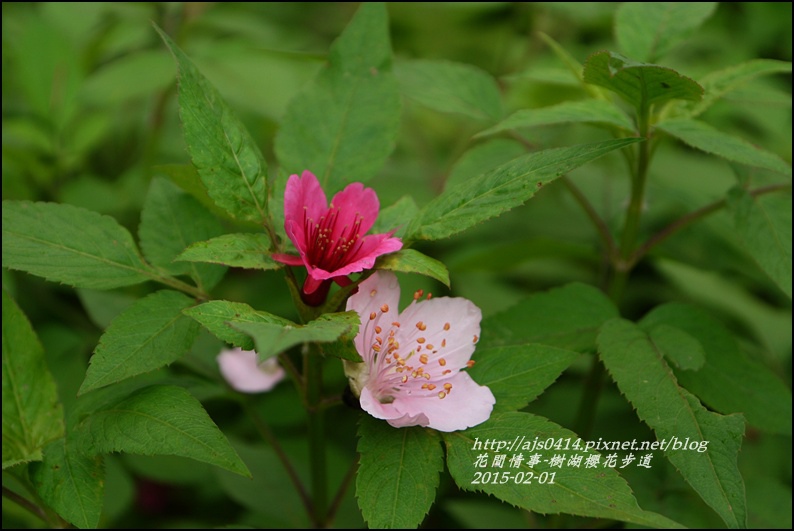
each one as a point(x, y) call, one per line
point(692, 217)
point(268, 435)
point(26, 504)
point(600, 225)
point(340, 494)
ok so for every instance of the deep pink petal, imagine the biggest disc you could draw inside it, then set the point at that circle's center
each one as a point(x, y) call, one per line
point(288, 259)
point(373, 246)
point(467, 404)
point(303, 194)
point(243, 372)
point(379, 292)
point(355, 200)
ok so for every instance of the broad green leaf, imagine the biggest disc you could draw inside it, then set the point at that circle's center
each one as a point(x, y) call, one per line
point(227, 158)
point(763, 226)
point(450, 87)
point(483, 157)
point(412, 261)
point(186, 177)
point(246, 250)
point(648, 31)
point(518, 374)
point(396, 217)
point(729, 381)
point(217, 316)
point(503, 188)
point(103, 306)
point(271, 338)
point(683, 350)
point(597, 112)
point(721, 82)
point(71, 482)
point(172, 220)
point(63, 243)
point(160, 420)
point(676, 415)
point(567, 317)
point(32, 414)
point(597, 492)
point(706, 138)
point(150, 334)
point(639, 83)
point(344, 125)
point(398, 473)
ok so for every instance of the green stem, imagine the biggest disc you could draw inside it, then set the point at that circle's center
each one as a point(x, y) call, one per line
point(340, 494)
point(313, 363)
point(621, 267)
point(178, 284)
point(692, 217)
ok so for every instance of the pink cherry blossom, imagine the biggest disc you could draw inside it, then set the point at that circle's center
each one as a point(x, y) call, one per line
point(412, 371)
point(331, 240)
point(243, 372)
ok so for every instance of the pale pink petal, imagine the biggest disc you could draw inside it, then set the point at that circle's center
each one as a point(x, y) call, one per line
point(373, 246)
point(445, 329)
point(242, 371)
point(377, 303)
point(355, 200)
point(466, 404)
point(388, 412)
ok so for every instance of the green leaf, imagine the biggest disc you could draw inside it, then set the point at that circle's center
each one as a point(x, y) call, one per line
point(160, 420)
point(271, 338)
point(597, 492)
point(597, 112)
point(172, 220)
point(648, 31)
point(148, 335)
point(676, 415)
point(503, 188)
point(63, 243)
point(217, 316)
point(729, 381)
point(227, 158)
point(71, 483)
point(246, 250)
point(32, 414)
point(450, 87)
point(518, 374)
point(567, 317)
point(639, 83)
point(483, 157)
point(721, 82)
point(683, 350)
point(186, 177)
point(763, 226)
point(344, 125)
point(706, 138)
point(396, 217)
point(412, 261)
point(398, 473)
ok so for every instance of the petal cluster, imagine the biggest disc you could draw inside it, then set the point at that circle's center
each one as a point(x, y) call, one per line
point(331, 240)
point(413, 370)
point(244, 373)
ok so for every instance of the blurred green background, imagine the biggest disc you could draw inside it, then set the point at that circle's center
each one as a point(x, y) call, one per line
point(90, 117)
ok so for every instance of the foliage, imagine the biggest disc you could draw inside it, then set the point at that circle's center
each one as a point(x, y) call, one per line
point(609, 184)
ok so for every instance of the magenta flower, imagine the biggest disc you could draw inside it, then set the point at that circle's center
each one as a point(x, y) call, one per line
point(243, 372)
point(412, 371)
point(331, 240)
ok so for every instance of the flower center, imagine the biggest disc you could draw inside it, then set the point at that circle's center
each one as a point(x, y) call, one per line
point(330, 244)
